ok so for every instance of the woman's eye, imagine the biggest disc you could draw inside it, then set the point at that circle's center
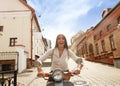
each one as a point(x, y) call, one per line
point(61, 38)
point(58, 38)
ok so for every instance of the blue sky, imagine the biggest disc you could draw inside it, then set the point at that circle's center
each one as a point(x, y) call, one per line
point(68, 16)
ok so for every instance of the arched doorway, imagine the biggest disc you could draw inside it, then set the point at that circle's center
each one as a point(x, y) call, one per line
point(91, 51)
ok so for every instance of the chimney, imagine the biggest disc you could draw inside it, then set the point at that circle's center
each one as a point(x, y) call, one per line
point(105, 12)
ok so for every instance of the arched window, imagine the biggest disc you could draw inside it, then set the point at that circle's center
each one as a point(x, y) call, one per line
point(118, 20)
point(103, 45)
point(112, 43)
point(97, 48)
point(91, 49)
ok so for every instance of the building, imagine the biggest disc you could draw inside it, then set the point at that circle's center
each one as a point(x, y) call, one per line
point(19, 32)
point(102, 42)
point(75, 40)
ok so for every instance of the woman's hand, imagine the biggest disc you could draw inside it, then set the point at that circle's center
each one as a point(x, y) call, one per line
point(66, 77)
point(77, 71)
point(79, 67)
point(40, 74)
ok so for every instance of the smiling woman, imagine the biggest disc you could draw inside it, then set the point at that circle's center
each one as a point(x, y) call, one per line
point(59, 57)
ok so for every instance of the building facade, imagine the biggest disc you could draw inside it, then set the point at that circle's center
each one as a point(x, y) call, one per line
point(102, 42)
point(19, 32)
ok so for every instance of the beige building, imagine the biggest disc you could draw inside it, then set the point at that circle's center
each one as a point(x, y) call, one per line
point(75, 40)
point(19, 32)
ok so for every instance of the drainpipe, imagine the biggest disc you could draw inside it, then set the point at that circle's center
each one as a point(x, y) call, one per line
point(31, 39)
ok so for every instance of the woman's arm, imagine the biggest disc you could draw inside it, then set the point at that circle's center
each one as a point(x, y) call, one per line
point(40, 60)
point(45, 56)
point(77, 59)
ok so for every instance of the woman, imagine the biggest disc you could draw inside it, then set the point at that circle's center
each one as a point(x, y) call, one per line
point(60, 56)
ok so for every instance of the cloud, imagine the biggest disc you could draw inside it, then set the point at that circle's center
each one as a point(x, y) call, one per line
point(60, 16)
point(100, 3)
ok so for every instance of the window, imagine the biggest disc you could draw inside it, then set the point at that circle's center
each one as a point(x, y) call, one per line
point(103, 45)
point(97, 48)
point(101, 32)
point(112, 44)
point(108, 27)
point(91, 49)
point(37, 50)
point(95, 36)
point(1, 28)
point(6, 67)
point(13, 41)
point(83, 49)
point(86, 49)
point(118, 20)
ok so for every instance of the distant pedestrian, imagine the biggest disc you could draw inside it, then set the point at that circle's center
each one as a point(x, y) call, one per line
point(36, 62)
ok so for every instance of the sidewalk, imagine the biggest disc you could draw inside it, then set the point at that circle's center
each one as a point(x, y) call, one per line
point(24, 78)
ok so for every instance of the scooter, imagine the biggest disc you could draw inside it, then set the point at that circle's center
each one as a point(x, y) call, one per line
point(60, 78)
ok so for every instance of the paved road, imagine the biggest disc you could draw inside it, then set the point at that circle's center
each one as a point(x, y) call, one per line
point(92, 74)
point(100, 74)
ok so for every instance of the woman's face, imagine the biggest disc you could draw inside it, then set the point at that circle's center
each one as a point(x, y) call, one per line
point(61, 41)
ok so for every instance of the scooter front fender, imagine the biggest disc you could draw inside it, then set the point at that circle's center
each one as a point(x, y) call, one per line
point(61, 84)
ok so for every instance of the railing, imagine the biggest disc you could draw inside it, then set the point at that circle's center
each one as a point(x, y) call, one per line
point(8, 78)
point(8, 68)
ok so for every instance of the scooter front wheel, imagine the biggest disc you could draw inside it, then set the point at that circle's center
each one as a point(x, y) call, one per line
point(64, 84)
point(68, 84)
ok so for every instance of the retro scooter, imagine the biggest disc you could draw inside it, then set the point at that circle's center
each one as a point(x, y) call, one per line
point(60, 78)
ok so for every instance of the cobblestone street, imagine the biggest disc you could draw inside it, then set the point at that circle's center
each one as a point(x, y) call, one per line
point(92, 74)
point(35, 32)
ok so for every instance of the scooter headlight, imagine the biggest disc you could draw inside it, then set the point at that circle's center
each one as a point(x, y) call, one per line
point(57, 75)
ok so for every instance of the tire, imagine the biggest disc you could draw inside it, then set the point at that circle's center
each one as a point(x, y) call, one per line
point(68, 84)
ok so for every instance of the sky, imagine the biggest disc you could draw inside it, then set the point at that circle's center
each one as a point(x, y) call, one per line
point(68, 16)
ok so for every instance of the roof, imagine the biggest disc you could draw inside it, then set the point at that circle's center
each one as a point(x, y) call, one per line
point(24, 2)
